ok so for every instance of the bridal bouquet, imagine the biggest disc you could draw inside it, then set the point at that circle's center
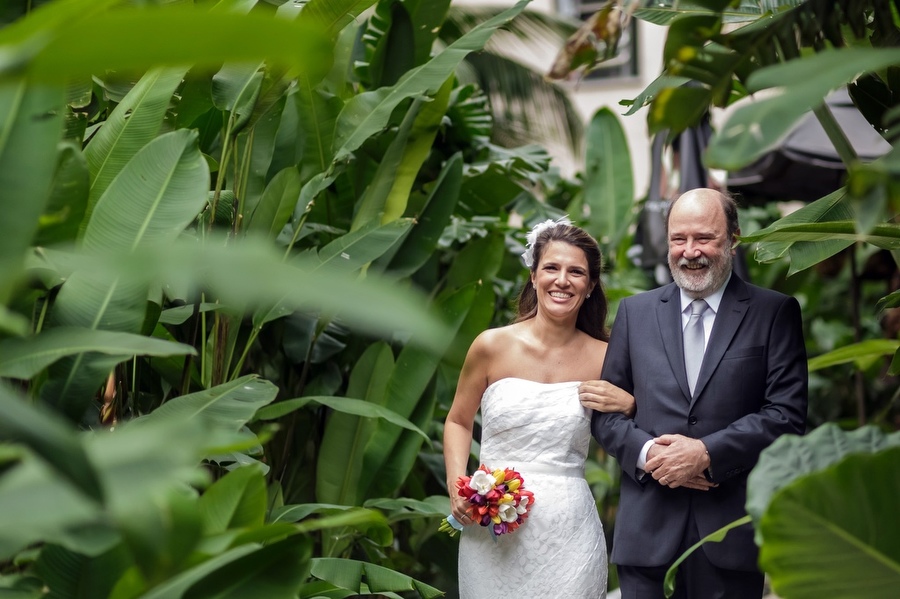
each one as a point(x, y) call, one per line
point(497, 498)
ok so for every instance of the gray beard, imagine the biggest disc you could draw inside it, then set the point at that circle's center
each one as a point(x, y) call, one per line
point(699, 286)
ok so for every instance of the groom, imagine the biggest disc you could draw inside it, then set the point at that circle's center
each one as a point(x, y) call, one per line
point(715, 382)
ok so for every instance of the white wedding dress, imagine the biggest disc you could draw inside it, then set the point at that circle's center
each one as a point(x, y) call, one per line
point(542, 431)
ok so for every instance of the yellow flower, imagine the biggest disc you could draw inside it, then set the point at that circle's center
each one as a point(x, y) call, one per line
point(496, 519)
point(498, 475)
point(507, 498)
point(513, 485)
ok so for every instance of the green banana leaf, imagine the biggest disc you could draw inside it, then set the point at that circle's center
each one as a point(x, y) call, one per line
point(158, 193)
point(235, 89)
point(25, 357)
point(127, 40)
point(237, 500)
point(384, 465)
point(421, 243)
point(344, 405)
point(348, 253)
point(228, 406)
point(752, 130)
point(346, 436)
point(50, 438)
point(371, 206)
point(350, 574)
point(368, 113)
point(253, 274)
point(276, 205)
point(333, 15)
point(32, 126)
point(418, 147)
point(862, 354)
point(134, 123)
point(803, 254)
point(68, 200)
point(608, 182)
point(78, 576)
point(257, 145)
point(270, 571)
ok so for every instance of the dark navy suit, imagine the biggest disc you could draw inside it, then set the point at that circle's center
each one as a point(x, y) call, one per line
point(752, 387)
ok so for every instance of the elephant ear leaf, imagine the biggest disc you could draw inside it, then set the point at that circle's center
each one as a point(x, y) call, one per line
point(833, 532)
point(792, 457)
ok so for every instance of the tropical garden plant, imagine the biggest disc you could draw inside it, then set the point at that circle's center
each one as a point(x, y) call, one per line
point(244, 247)
point(822, 505)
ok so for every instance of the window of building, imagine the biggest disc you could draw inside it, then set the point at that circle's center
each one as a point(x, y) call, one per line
point(625, 64)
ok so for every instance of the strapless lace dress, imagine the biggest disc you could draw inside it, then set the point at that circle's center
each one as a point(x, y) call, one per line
point(542, 431)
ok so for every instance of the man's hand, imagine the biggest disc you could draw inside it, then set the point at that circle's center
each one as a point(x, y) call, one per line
point(678, 461)
point(603, 396)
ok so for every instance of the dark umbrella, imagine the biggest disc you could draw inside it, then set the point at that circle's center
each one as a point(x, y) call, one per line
point(805, 166)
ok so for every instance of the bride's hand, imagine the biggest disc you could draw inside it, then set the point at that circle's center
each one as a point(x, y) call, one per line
point(605, 397)
point(458, 507)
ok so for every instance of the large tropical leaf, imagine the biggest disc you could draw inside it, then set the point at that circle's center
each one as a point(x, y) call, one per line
point(24, 358)
point(422, 240)
point(755, 128)
point(791, 458)
point(78, 576)
point(32, 126)
point(152, 200)
point(68, 200)
point(608, 182)
point(409, 380)
point(51, 439)
point(352, 574)
point(133, 124)
point(127, 39)
point(276, 205)
point(862, 354)
point(835, 531)
point(803, 254)
point(270, 571)
point(348, 253)
point(346, 436)
point(237, 500)
point(253, 274)
point(369, 112)
point(229, 406)
point(371, 205)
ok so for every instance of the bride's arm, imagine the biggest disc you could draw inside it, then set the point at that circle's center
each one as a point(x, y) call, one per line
point(460, 421)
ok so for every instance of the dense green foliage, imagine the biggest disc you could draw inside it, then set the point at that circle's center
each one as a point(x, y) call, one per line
point(241, 262)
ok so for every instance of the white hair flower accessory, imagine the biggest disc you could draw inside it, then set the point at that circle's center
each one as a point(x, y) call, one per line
point(531, 238)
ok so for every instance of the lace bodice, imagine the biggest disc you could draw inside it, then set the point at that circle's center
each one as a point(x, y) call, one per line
point(525, 421)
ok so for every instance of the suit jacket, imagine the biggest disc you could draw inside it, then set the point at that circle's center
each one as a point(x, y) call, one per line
point(752, 387)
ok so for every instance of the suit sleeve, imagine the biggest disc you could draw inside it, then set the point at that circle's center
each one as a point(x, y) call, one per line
point(618, 434)
point(736, 448)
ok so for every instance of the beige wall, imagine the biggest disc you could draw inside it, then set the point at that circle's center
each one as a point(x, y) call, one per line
point(589, 96)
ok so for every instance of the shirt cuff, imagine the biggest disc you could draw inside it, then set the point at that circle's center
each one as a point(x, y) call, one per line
point(642, 458)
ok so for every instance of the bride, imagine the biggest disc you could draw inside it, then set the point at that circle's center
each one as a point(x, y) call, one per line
point(525, 378)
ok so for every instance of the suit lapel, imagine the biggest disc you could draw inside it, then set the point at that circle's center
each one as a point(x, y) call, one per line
point(668, 315)
point(731, 312)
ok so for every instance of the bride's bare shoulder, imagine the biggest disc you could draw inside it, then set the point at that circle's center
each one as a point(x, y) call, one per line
point(494, 340)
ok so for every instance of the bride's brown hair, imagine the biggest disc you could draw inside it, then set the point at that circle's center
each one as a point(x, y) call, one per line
point(592, 314)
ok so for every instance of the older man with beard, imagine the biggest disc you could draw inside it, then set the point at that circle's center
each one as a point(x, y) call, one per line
point(715, 381)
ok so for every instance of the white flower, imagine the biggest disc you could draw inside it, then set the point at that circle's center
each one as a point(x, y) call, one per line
point(531, 238)
point(507, 512)
point(523, 505)
point(482, 482)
